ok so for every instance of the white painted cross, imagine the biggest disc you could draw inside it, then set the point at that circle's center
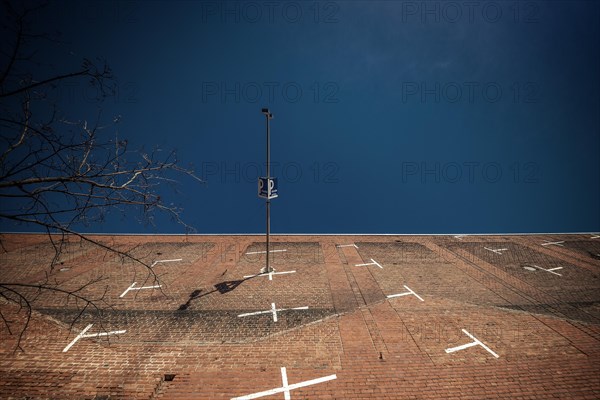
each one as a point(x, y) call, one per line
point(547, 243)
point(270, 274)
point(497, 251)
point(273, 311)
point(83, 335)
point(373, 262)
point(165, 261)
point(551, 270)
point(405, 294)
point(347, 245)
point(264, 252)
point(132, 287)
point(476, 342)
point(459, 236)
point(286, 388)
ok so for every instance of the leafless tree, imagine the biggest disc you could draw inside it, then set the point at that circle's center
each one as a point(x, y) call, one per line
point(60, 174)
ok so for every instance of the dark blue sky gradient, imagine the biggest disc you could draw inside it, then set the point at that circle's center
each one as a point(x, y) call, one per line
point(388, 118)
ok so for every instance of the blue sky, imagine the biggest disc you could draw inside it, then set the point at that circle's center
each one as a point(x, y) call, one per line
point(390, 117)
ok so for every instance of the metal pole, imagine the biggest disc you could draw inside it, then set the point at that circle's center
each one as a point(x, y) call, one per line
point(268, 115)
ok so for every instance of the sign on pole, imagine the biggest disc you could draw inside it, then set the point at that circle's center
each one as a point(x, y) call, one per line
point(267, 188)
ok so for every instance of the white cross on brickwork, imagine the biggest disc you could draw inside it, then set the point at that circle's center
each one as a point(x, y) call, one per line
point(497, 251)
point(273, 311)
point(270, 274)
point(286, 388)
point(547, 243)
point(551, 270)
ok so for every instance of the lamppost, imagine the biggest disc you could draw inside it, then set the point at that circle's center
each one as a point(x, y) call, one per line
point(270, 185)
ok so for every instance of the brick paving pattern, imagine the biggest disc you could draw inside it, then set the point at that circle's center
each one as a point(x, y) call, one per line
point(186, 340)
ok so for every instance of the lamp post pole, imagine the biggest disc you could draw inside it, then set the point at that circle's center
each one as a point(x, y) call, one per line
point(269, 117)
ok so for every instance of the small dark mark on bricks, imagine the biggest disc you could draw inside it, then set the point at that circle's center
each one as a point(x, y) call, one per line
point(169, 377)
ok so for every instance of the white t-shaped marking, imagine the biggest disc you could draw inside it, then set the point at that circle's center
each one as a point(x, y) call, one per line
point(83, 335)
point(405, 294)
point(132, 287)
point(476, 342)
point(373, 262)
point(165, 261)
point(347, 245)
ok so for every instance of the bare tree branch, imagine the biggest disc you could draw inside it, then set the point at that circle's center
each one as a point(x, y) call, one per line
point(59, 175)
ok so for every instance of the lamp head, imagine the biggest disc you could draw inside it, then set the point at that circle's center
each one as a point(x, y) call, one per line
point(267, 113)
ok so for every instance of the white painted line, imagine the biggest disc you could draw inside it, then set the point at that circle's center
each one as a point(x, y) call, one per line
point(551, 270)
point(554, 269)
point(270, 274)
point(461, 347)
point(373, 262)
point(285, 384)
point(128, 289)
point(459, 236)
point(104, 334)
point(595, 237)
point(165, 261)
point(132, 287)
point(77, 338)
point(410, 291)
point(274, 310)
point(255, 313)
point(497, 251)
point(481, 344)
point(476, 342)
point(347, 245)
point(286, 388)
point(264, 252)
point(550, 243)
point(83, 335)
point(146, 287)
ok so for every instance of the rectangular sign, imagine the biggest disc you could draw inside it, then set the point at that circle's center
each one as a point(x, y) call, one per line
point(267, 190)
